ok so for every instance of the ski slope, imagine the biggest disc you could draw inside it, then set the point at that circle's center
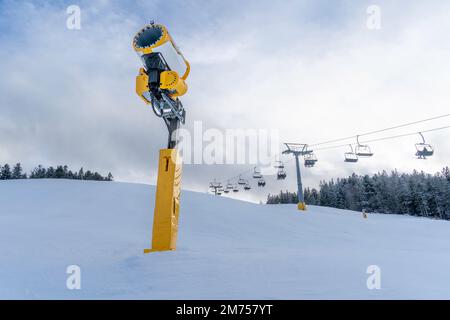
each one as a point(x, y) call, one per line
point(227, 249)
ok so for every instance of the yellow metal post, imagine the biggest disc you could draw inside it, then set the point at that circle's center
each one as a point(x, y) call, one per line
point(301, 206)
point(167, 202)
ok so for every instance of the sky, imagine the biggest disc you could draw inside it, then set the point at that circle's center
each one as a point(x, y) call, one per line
point(310, 70)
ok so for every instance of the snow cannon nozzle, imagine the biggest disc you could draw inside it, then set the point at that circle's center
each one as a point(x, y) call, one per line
point(148, 36)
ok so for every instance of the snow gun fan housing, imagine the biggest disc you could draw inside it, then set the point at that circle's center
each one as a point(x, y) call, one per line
point(165, 69)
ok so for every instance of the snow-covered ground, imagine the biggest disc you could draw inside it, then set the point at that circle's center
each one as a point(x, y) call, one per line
point(226, 248)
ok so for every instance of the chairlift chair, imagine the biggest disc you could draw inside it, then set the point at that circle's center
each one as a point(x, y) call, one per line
point(247, 186)
point(256, 173)
point(216, 187)
point(281, 174)
point(241, 181)
point(229, 186)
point(423, 149)
point(215, 184)
point(235, 188)
point(279, 165)
point(362, 150)
point(310, 160)
point(350, 156)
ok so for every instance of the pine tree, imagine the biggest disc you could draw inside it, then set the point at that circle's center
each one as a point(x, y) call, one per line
point(97, 176)
point(88, 175)
point(17, 172)
point(6, 172)
point(59, 172)
point(415, 194)
point(80, 174)
point(50, 173)
point(38, 173)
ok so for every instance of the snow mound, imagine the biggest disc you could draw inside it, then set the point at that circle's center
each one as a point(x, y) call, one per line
point(227, 249)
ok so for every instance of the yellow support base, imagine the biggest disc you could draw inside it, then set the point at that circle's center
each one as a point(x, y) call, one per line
point(301, 206)
point(156, 250)
point(167, 202)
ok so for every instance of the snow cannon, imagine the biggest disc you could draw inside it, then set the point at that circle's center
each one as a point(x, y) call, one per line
point(160, 83)
point(165, 68)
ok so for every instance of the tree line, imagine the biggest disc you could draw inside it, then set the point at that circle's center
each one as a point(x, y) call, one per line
point(417, 193)
point(58, 172)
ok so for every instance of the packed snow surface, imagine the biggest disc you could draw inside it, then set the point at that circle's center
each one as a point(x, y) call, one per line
point(227, 249)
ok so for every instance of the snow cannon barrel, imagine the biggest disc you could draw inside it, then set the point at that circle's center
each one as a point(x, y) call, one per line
point(164, 63)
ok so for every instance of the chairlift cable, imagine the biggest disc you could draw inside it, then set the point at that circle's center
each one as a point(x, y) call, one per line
point(380, 130)
point(384, 138)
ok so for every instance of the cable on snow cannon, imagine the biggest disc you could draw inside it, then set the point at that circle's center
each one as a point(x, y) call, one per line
point(160, 83)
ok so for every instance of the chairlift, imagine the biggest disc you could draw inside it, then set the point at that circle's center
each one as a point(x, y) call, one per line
point(257, 173)
point(279, 164)
point(241, 181)
point(235, 188)
point(226, 190)
point(216, 187)
point(310, 160)
point(247, 186)
point(423, 149)
point(229, 186)
point(362, 150)
point(281, 174)
point(261, 182)
point(351, 156)
point(214, 184)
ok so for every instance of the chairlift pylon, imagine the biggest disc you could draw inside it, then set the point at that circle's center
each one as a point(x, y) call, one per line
point(351, 156)
point(423, 149)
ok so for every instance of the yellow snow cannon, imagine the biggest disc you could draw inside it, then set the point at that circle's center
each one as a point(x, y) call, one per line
point(165, 68)
point(159, 83)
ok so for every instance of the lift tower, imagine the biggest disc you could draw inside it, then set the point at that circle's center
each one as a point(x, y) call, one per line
point(160, 83)
point(298, 149)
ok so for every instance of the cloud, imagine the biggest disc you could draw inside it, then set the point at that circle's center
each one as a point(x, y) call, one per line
point(310, 69)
